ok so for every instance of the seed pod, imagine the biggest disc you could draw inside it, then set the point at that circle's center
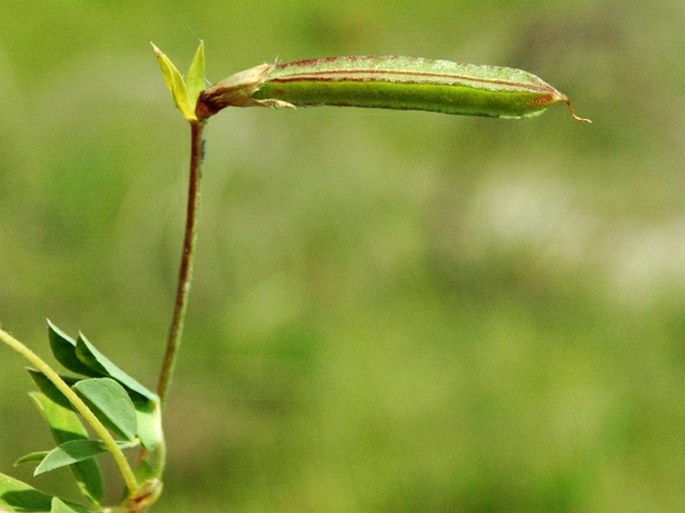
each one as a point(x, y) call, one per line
point(390, 82)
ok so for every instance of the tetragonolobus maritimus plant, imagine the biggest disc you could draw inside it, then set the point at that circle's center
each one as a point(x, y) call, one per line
point(121, 413)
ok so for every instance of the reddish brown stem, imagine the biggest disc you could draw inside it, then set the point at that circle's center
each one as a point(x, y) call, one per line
point(187, 259)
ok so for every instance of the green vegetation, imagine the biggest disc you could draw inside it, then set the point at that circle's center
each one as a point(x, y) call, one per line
point(392, 311)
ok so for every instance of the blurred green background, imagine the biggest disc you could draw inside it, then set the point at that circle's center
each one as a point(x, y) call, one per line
point(392, 311)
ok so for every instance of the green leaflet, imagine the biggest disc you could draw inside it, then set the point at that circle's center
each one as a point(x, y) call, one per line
point(81, 356)
point(73, 452)
point(94, 359)
point(59, 506)
point(16, 496)
point(64, 350)
point(19, 497)
point(110, 403)
point(66, 426)
point(390, 82)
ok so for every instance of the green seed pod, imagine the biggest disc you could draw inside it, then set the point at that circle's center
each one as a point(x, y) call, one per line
point(389, 82)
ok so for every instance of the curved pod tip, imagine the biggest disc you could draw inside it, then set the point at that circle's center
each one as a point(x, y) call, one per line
point(572, 111)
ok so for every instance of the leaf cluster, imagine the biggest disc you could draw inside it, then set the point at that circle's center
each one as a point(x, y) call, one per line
point(127, 409)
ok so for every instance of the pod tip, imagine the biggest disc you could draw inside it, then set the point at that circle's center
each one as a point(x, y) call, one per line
point(573, 113)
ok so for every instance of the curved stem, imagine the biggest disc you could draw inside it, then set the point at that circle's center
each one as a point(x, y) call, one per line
point(187, 259)
point(78, 404)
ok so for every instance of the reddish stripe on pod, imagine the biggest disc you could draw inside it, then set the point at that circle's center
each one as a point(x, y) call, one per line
point(344, 75)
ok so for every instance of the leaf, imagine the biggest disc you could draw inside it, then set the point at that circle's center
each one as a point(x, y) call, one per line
point(64, 350)
point(149, 417)
point(81, 356)
point(74, 451)
point(98, 362)
point(59, 506)
point(19, 497)
point(148, 413)
point(66, 426)
point(175, 84)
point(144, 471)
point(111, 405)
point(50, 390)
point(31, 457)
point(195, 79)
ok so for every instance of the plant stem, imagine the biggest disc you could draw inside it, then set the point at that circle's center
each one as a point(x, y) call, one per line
point(187, 259)
point(78, 404)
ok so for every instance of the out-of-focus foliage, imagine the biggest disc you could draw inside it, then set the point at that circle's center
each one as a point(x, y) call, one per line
point(392, 311)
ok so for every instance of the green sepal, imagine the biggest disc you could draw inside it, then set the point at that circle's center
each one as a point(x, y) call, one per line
point(110, 403)
point(195, 79)
point(175, 84)
point(72, 452)
point(66, 426)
